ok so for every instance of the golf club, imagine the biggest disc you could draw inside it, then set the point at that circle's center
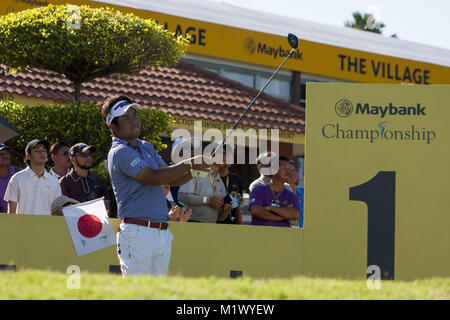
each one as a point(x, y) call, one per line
point(293, 41)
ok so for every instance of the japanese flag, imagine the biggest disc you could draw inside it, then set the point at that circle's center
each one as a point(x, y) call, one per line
point(89, 226)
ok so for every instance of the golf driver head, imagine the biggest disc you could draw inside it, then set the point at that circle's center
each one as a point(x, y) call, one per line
point(293, 40)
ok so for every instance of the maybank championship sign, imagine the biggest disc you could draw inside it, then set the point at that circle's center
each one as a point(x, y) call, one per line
point(382, 130)
point(377, 179)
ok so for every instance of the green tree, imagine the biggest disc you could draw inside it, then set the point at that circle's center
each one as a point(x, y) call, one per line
point(76, 123)
point(366, 22)
point(84, 43)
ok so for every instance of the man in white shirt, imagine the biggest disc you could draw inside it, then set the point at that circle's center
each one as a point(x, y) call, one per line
point(32, 190)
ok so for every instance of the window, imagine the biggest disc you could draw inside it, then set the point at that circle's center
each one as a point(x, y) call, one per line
point(301, 171)
point(245, 78)
point(309, 77)
point(279, 87)
point(303, 89)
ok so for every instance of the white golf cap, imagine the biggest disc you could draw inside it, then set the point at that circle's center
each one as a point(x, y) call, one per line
point(119, 109)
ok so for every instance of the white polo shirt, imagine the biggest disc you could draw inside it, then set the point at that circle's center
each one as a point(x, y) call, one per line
point(57, 176)
point(33, 194)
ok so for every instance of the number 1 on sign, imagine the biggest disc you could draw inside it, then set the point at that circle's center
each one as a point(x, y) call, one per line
point(379, 195)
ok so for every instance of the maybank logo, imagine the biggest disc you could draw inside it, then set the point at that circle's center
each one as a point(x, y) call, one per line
point(250, 47)
point(344, 108)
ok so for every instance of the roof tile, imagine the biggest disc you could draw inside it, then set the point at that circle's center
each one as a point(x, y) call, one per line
point(183, 90)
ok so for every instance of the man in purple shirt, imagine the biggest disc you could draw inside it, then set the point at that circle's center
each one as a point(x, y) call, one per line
point(272, 204)
point(6, 172)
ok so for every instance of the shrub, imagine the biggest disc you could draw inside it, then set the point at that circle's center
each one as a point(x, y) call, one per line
point(84, 43)
point(76, 123)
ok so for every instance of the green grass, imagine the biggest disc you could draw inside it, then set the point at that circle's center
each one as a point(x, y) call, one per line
point(53, 285)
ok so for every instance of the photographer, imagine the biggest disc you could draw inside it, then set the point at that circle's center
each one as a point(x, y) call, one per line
point(205, 195)
point(233, 185)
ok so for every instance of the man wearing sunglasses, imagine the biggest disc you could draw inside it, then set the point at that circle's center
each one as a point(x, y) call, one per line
point(80, 184)
point(59, 152)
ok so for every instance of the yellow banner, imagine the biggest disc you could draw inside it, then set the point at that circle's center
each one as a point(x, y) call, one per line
point(192, 124)
point(377, 182)
point(265, 49)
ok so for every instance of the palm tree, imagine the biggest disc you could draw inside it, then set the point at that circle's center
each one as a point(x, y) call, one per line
point(365, 22)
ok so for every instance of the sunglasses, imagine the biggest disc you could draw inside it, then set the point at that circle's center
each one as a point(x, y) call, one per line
point(85, 155)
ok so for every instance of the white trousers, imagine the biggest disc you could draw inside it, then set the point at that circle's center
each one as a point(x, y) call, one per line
point(143, 250)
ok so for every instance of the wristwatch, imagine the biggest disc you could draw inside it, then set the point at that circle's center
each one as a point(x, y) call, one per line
point(205, 200)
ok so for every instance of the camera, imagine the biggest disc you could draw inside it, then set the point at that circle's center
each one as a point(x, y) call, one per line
point(227, 199)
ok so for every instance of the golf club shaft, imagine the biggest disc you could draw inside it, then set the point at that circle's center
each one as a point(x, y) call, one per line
point(253, 101)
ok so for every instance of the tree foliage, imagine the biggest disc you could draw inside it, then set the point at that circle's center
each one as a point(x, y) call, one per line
point(76, 123)
point(84, 43)
point(366, 22)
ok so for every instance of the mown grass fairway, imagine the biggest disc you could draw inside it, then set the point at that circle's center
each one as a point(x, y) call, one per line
point(53, 285)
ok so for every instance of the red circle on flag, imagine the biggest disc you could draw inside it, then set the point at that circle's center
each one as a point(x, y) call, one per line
point(89, 225)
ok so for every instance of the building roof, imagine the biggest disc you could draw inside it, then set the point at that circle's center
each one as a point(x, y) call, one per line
point(226, 14)
point(183, 90)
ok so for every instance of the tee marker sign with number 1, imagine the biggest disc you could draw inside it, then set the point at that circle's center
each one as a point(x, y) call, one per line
point(377, 180)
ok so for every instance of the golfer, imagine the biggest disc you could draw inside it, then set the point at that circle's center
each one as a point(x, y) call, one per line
point(137, 173)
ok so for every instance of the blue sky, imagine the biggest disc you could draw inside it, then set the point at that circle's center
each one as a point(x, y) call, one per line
point(425, 22)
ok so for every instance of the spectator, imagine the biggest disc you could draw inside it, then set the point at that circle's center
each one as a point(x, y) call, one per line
point(205, 195)
point(80, 184)
point(176, 212)
point(61, 202)
point(233, 186)
point(169, 198)
point(272, 204)
point(59, 152)
point(6, 172)
point(299, 191)
point(137, 172)
point(32, 190)
point(263, 162)
point(178, 154)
